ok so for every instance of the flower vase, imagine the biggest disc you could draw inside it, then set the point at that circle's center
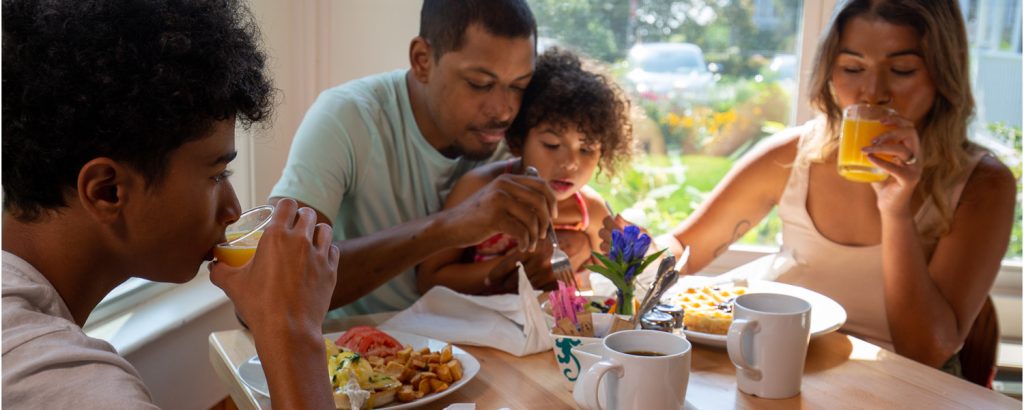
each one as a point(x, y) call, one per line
point(624, 303)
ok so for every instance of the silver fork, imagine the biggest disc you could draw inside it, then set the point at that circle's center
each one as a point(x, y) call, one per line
point(560, 261)
point(560, 264)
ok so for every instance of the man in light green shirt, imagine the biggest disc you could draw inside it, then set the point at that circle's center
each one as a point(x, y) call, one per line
point(376, 156)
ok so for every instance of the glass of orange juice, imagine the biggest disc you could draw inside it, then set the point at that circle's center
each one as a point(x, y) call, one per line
point(243, 236)
point(861, 124)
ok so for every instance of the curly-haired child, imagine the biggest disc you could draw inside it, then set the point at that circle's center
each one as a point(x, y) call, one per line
point(572, 123)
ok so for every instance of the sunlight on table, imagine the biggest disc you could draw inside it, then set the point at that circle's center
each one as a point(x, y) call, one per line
point(865, 351)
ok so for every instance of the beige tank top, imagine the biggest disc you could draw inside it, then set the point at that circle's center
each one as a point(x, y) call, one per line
point(850, 275)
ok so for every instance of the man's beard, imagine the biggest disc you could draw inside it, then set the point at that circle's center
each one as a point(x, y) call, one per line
point(458, 150)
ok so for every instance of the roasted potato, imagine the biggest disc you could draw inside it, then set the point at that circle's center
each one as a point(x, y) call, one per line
point(455, 368)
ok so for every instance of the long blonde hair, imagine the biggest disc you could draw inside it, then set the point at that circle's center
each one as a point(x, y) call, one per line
point(945, 149)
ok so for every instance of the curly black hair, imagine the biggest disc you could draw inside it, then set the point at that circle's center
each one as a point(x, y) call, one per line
point(131, 80)
point(563, 94)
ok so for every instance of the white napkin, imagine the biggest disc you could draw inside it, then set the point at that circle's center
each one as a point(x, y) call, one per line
point(512, 323)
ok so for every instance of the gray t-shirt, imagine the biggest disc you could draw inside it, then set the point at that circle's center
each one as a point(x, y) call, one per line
point(48, 361)
point(359, 158)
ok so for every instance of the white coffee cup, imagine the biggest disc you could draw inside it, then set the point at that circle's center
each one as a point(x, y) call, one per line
point(767, 342)
point(636, 380)
point(588, 354)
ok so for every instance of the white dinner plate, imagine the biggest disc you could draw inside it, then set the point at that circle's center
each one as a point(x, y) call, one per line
point(252, 375)
point(827, 315)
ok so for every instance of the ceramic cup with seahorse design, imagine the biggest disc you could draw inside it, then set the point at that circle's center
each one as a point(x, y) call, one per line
point(569, 365)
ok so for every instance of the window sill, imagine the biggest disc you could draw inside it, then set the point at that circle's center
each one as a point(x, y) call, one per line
point(128, 328)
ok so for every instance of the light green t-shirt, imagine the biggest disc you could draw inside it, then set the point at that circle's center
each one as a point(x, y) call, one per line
point(359, 158)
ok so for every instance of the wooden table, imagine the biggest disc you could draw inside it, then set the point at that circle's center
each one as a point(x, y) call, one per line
point(841, 372)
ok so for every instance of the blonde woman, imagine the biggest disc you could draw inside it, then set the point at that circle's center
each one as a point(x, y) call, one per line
point(911, 258)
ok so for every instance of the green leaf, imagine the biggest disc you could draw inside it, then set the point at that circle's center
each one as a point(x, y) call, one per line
point(651, 258)
point(615, 266)
point(615, 277)
point(600, 269)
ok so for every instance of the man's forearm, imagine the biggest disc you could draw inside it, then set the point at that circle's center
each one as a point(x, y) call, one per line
point(370, 261)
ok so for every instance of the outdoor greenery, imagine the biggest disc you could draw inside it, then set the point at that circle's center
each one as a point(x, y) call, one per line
point(690, 138)
point(659, 192)
point(1010, 136)
point(724, 29)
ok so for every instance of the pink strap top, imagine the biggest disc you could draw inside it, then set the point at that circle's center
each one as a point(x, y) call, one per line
point(850, 275)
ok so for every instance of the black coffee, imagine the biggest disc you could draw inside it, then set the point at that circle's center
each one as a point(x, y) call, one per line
point(644, 353)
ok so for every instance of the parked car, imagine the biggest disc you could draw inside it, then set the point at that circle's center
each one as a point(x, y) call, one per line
point(659, 70)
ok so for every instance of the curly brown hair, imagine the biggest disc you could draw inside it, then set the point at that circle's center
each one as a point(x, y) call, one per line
point(562, 93)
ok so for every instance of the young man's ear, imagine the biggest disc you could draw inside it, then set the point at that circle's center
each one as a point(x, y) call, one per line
point(103, 188)
point(421, 59)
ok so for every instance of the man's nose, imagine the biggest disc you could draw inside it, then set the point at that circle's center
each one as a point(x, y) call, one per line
point(502, 104)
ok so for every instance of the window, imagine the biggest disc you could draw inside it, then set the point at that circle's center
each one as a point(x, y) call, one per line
point(994, 35)
point(710, 78)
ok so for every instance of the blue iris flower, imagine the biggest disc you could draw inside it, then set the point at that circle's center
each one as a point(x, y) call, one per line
point(629, 247)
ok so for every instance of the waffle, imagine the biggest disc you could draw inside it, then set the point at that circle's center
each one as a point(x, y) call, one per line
point(708, 309)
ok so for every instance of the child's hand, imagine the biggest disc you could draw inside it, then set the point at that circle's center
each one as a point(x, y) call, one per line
point(538, 266)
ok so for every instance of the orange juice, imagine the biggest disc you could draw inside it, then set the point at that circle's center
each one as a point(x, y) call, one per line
point(240, 253)
point(854, 164)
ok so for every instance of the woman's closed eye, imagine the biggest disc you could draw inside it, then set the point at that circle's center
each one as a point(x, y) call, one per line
point(851, 69)
point(906, 72)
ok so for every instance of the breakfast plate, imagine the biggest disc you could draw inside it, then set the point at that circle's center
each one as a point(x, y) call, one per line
point(251, 371)
point(827, 315)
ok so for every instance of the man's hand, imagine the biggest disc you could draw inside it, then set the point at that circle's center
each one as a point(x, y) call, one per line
point(517, 205)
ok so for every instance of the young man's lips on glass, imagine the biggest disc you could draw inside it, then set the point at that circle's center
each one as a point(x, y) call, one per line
point(209, 254)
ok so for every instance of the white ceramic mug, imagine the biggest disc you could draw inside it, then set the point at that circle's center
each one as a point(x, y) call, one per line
point(639, 369)
point(588, 355)
point(767, 342)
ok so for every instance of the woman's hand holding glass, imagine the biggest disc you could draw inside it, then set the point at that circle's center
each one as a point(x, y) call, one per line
point(896, 152)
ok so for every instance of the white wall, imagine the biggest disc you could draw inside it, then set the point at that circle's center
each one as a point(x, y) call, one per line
point(315, 45)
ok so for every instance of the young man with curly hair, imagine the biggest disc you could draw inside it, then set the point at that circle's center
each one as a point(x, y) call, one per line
point(376, 156)
point(572, 121)
point(118, 124)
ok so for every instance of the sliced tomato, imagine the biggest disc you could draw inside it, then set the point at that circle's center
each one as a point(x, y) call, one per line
point(353, 333)
point(369, 341)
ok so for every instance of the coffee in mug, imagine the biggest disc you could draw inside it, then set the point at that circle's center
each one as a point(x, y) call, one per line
point(624, 373)
point(644, 353)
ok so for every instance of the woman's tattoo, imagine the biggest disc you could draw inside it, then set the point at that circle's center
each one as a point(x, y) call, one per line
point(737, 232)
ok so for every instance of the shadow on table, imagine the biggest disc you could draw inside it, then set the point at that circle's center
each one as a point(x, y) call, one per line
point(827, 352)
